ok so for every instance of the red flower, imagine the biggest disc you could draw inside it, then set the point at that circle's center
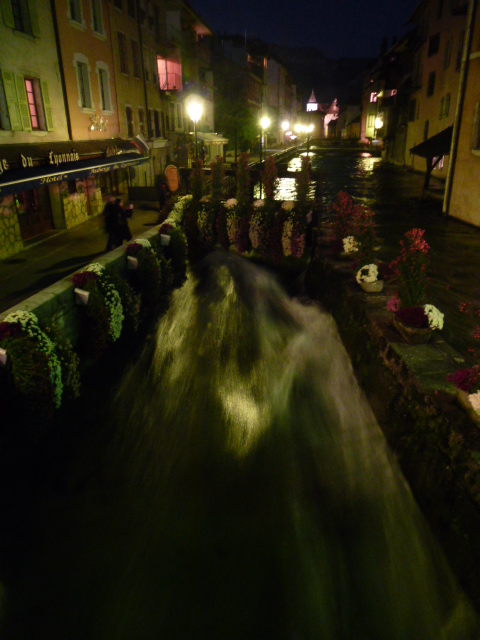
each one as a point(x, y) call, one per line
point(413, 317)
point(83, 278)
point(133, 249)
point(10, 330)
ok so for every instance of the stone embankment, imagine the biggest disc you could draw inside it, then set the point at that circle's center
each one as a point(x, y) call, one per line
point(435, 439)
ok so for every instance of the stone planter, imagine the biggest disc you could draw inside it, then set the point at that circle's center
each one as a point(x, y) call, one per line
point(81, 296)
point(164, 239)
point(413, 335)
point(132, 262)
point(372, 287)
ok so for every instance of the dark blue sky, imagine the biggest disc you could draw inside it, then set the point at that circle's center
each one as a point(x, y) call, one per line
point(341, 28)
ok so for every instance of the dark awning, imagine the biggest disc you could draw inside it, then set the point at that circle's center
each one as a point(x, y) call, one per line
point(17, 180)
point(437, 145)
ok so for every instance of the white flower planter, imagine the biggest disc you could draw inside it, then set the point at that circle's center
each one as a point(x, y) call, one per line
point(372, 287)
point(3, 356)
point(81, 296)
point(164, 239)
point(132, 262)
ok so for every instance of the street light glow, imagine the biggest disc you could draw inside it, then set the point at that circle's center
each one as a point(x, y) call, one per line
point(285, 125)
point(194, 109)
point(265, 122)
point(378, 123)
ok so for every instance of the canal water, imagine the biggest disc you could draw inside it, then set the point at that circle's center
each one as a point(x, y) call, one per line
point(234, 485)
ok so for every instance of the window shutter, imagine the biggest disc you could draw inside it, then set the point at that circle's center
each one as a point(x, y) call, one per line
point(12, 101)
point(23, 103)
point(47, 107)
point(8, 14)
point(32, 9)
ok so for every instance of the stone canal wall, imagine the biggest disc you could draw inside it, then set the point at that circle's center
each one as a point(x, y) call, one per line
point(435, 440)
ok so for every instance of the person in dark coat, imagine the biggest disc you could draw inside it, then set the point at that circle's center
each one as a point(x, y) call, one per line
point(110, 213)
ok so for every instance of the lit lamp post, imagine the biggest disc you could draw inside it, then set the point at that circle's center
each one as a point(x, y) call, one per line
point(285, 127)
point(264, 124)
point(378, 125)
point(195, 109)
point(309, 129)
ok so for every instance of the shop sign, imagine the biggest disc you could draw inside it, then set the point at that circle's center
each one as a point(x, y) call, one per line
point(111, 151)
point(59, 158)
point(3, 165)
point(27, 161)
point(56, 178)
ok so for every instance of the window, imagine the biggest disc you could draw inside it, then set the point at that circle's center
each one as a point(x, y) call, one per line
point(417, 115)
point(442, 105)
point(76, 11)
point(97, 18)
point(433, 44)
point(146, 63)
point(141, 12)
point(83, 82)
point(373, 96)
point(371, 121)
point(151, 123)
point(448, 53)
point(411, 110)
point(156, 9)
point(131, 8)
point(167, 122)
point(476, 129)
point(169, 74)
point(32, 106)
point(136, 59)
point(446, 107)
point(156, 124)
point(104, 87)
point(439, 9)
point(21, 15)
point(425, 129)
point(129, 116)
point(141, 121)
point(172, 116)
point(458, 63)
point(179, 117)
point(122, 52)
point(431, 84)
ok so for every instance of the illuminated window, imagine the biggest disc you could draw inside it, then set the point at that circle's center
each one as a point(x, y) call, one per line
point(373, 96)
point(169, 74)
point(32, 106)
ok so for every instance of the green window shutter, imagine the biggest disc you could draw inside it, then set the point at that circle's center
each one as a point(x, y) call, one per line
point(12, 100)
point(47, 107)
point(32, 10)
point(8, 14)
point(23, 102)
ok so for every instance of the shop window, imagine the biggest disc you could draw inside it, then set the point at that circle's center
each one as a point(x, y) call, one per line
point(433, 44)
point(169, 74)
point(129, 117)
point(431, 84)
point(122, 52)
point(83, 82)
point(97, 18)
point(476, 129)
point(104, 87)
point(136, 59)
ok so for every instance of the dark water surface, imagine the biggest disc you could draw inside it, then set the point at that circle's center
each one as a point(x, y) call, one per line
point(235, 485)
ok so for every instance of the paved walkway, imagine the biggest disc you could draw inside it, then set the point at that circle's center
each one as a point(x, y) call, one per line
point(57, 254)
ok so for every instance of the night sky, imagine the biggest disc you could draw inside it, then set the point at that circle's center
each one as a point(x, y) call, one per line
point(342, 28)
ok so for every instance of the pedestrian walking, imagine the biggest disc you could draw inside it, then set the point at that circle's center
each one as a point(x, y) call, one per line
point(110, 213)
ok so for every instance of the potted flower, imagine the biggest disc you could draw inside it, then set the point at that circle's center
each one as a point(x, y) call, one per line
point(367, 278)
point(414, 319)
point(350, 247)
point(467, 383)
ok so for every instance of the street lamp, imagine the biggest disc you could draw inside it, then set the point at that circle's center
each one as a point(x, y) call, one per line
point(377, 125)
point(195, 110)
point(264, 124)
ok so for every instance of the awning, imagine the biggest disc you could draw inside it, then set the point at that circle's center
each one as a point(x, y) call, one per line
point(437, 145)
point(210, 138)
point(16, 180)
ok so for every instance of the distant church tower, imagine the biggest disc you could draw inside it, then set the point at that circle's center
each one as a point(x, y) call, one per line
point(312, 104)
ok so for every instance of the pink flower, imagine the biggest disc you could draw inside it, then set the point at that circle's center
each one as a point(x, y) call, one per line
point(393, 304)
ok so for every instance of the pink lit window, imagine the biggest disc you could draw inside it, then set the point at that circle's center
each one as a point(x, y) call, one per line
point(373, 96)
point(32, 107)
point(169, 75)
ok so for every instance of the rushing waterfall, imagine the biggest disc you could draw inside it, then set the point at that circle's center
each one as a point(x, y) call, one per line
point(275, 509)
